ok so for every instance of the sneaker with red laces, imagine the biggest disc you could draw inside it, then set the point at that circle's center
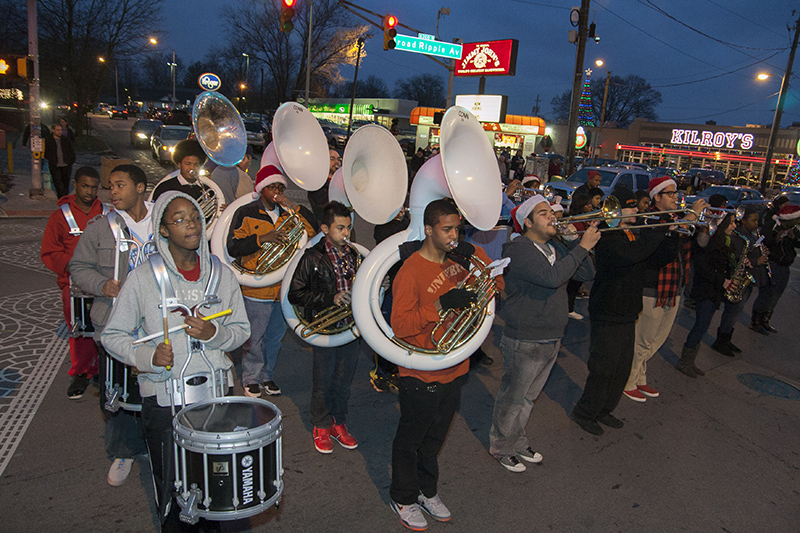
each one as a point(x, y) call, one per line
point(322, 440)
point(343, 437)
point(647, 390)
point(635, 395)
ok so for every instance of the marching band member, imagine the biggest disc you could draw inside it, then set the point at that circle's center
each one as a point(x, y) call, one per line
point(93, 265)
point(64, 228)
point(663, 286)
point(782, 239)
point(743, 238)
point(253, 225)
point(614, 305)
point(535, 317)
point(234, 181)
point(189, 157)
point(323, 279)
point(183, 246)
point(713, 266)
point(426, 284)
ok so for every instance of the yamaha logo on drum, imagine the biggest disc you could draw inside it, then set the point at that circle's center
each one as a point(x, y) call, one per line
point(209, 81)
point(247, 460)
point(247, 479)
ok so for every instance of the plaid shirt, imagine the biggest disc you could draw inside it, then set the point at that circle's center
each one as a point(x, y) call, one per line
point(344, 265)
point(674, 275)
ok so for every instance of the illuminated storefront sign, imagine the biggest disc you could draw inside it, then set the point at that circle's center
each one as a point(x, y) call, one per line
point(488, 58)
point(716, 139)
point(580, 138)
point(358, 109)
point(485, 107)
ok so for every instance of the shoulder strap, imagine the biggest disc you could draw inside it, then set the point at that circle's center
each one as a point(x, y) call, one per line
point(162, 278)
point(74, 229)
point(213, 276)
point(106, 209)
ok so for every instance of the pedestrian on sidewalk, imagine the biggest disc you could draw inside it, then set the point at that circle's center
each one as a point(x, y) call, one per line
point(60, 155)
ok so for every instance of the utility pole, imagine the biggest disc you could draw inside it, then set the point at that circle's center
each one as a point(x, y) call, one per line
point(535, 109)
point(355, 82)
point(576, 87)
point(37, 145)
point(308, 50)
point(776, 121)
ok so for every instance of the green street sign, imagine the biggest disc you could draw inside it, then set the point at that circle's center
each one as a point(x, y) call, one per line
point(427, 45)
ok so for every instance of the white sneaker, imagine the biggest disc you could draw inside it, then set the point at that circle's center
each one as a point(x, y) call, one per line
point(410, 515)
point(434, 507)
point(576, 316)
point(530, 456)
point(119, 471)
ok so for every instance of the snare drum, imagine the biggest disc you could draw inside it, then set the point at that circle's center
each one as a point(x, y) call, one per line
point(228, 458)
point(122, 386)
point(80, 304)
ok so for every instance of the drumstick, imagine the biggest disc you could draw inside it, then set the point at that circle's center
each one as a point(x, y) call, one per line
point(181, 327)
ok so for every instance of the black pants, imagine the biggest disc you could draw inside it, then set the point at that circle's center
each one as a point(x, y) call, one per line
point(157, 423)
point(769, 295)
point(61, 177)
point(573, 288)
point(426, 411)
point(610, 360)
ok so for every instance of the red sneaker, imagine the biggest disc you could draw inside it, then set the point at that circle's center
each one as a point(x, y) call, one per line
point(647, 390)
point(343, 437)
point(635, 395)
point(322, 440)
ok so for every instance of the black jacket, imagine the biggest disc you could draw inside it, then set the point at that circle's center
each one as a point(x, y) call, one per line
point(51, 151)
point(620, 267)
point(782, 246)
point(712, 266)
point(314, 283)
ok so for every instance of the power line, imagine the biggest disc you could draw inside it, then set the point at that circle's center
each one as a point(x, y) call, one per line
point(717, 75)
point(732, 12)
point(724, 112)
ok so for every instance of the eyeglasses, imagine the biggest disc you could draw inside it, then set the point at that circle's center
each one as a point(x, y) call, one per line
point(184, 222)
point(276, 187)
point(671, 194)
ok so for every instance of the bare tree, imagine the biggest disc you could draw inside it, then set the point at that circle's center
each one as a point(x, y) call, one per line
point(371, 87)
point(628, 98)
point(253, 27)
point(427, 89)
point(74, 33)
point(13, 27)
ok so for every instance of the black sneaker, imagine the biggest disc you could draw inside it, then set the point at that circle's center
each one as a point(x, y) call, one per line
point(77, 387)
point(380, 384)
point(590, 426)
point(607, 419)
point(271, 388)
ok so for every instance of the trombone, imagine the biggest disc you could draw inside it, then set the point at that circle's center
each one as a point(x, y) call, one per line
point(610, 212)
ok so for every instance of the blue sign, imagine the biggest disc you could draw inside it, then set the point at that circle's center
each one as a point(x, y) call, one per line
point(209, 81)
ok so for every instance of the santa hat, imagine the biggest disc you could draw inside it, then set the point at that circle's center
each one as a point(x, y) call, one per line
point(789, 212)
point(659, 184)
point(521, 212)
point(267, 175)
point(530, 178)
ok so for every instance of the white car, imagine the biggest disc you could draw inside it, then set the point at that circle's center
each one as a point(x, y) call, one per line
point(164, 140)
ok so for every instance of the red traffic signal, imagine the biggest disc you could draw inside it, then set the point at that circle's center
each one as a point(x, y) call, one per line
point(287, 14)
point(389, 33)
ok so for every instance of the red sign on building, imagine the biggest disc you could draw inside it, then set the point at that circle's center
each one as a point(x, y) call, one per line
point(488, 58)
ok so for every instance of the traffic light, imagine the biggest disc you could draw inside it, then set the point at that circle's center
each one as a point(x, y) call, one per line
point(389, 22)
point(15, 66)
point(24, 67)
point(287, 13)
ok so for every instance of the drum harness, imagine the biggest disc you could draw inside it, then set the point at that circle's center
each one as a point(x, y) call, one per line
point(200, 386)
point(74, 229)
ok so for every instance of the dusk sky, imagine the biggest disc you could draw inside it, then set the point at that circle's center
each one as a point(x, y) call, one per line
point(702, 55)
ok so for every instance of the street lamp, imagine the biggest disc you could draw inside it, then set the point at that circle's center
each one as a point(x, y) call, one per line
point(773, 133)
point(116, 76)
point(602, 64)
point(172, 67)
point(246, 72)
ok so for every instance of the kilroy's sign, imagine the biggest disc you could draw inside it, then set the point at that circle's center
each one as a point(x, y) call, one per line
point(488, 58)
point(713, 139)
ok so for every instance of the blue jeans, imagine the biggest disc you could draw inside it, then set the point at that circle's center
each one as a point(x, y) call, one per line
point(124, 436)
point(332, 373)
point(703, 311)
point(732, 312)
point(267, 328)
point(526, 366)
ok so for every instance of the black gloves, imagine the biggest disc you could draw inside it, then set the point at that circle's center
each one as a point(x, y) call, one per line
point(456, 299)
point(461, 254)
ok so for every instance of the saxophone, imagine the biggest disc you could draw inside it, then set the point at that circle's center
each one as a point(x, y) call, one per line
point(741, 278)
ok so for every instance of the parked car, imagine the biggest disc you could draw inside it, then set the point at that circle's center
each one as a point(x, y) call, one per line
point(178, 117)
point(133, 110)
point(164, 140)
point(611, 177)
point(631, 165)
point(706, 176)
point(118, 112)
point(736, 196)
point(337, 137)
point(657, 172)
point(358, 123)
point(142, 132)
point(102, 108)
point(792, 193)
point(256, 136)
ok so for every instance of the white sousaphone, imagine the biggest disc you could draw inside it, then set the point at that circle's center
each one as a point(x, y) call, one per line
point(467, 171)
point(300, 150)
point(373, 181)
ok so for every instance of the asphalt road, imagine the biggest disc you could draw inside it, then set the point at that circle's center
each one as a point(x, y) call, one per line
point(710, 454)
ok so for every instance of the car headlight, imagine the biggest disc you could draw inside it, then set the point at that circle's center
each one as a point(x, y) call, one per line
point(171, 149)
point(142, 135)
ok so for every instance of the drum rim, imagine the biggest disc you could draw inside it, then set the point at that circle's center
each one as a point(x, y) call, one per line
point(245, 512)
point(253, 438)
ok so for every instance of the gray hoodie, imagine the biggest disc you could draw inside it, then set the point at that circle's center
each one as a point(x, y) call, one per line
point(137, 310)
point(536, 308)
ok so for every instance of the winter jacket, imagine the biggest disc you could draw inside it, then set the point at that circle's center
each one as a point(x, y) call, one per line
point(782, 248)
point(137, 310)
point(58, 244)
point(51, 151)
point(712, 266)
point(314, 283)
point(536, 305)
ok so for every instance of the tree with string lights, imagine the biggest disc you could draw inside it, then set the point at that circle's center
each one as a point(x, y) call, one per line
point(585, 113)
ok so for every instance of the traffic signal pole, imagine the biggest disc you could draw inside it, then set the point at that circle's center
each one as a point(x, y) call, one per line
point(572, 127)
point(37, 144)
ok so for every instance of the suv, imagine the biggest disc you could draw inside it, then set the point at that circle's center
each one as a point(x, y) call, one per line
point(634, 179)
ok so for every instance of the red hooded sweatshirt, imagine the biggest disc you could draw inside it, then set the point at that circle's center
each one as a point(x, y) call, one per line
point(57, 243)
